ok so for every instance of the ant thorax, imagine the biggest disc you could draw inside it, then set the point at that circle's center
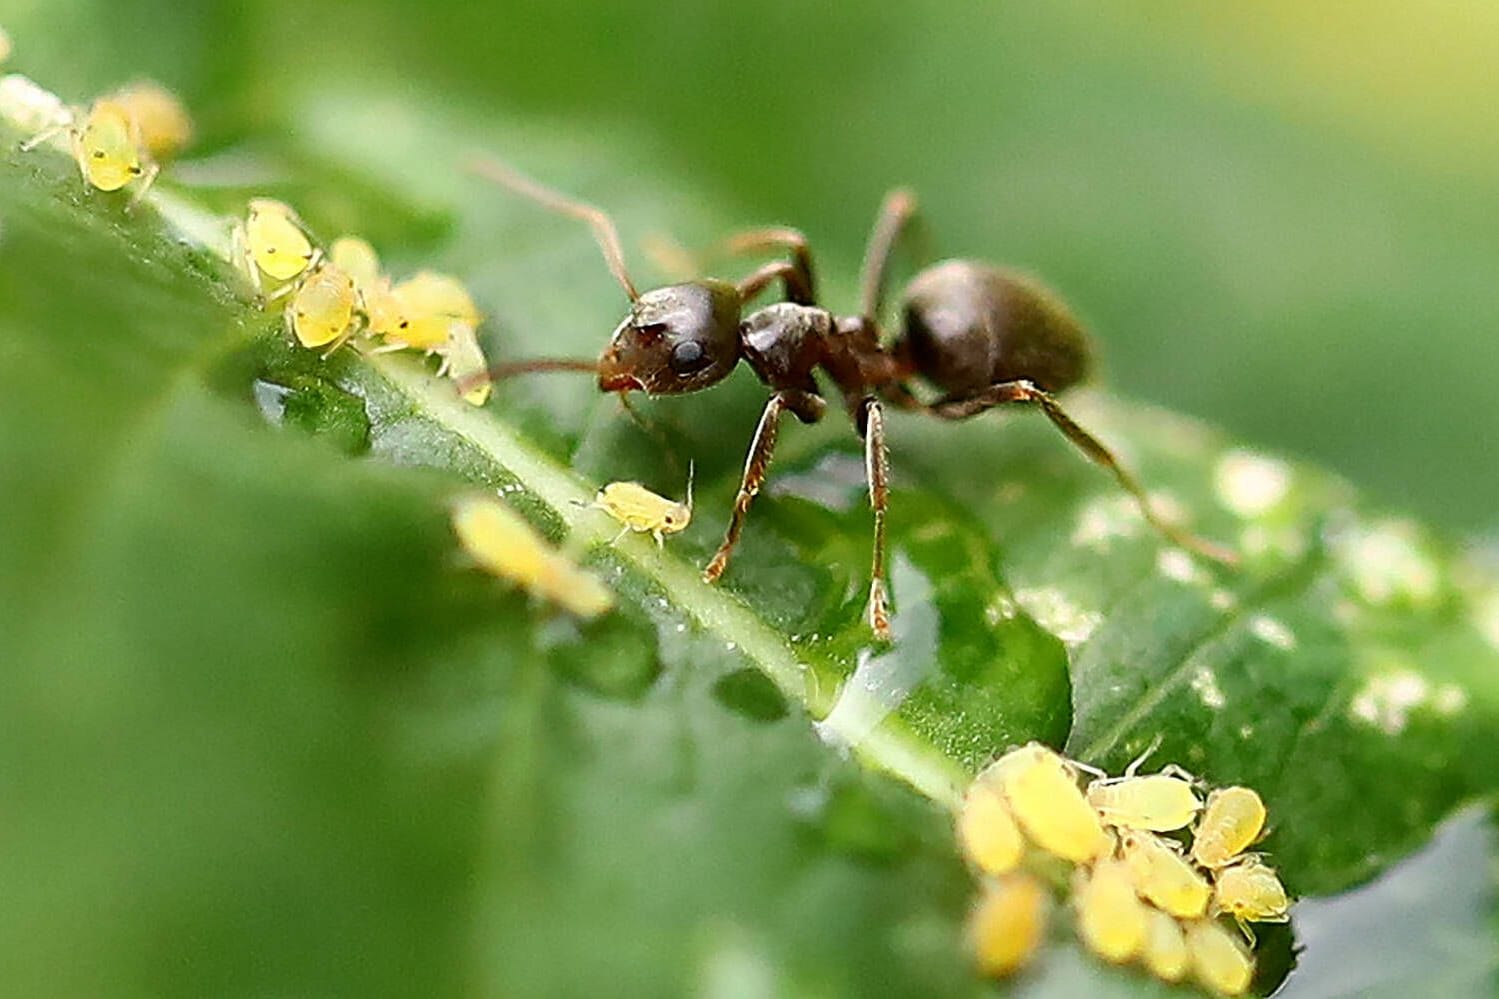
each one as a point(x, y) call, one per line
point(784, 342)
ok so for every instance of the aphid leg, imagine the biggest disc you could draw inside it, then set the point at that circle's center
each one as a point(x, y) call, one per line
point(897, 212)
point(755, 466)
point(1091, 770)
point(46, 135)
point(796, 288)
point(1134, 765)
point(871, 421)
point(1248, 932)
point(239, 257)
point(604, 231)
point(1027, 393)
point(147, 178)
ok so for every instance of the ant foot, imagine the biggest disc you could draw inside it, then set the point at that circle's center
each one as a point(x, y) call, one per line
point(715, 568)
point(879, 610)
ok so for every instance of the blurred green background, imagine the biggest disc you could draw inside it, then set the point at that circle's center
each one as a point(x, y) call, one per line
point(1278, 216)
point(1274, 217)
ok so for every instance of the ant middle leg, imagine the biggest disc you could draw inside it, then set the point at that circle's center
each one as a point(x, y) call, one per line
point(894, 220)
point(1022, 391)
point(809, 408)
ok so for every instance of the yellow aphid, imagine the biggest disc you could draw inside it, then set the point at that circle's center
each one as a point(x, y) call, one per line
point(1007, 924)
point(272, 241)
point(1251, 892)
point(160, 119)
point(1111, 919)
point(1042, 791)
point(1233, 819)
point(322, 310)
point(431, 303)
point(1157, 802)
point(463, 361)
point(1165, 953)
point(107, 147)
point(358, 259)
point(639, 509)
point(987, 832)
point(1220, 962)
point(5, 46)
point(1163, 876)
point(502, 542)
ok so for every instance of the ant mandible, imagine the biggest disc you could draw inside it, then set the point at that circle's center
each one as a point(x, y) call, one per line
point(984, 336)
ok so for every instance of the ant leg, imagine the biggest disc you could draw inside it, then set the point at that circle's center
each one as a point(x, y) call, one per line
point(877, 474)
point(808, 407)
point(794, 242)
point(756, 282)
point(604, 231)
point(1023, 391)
point(896, 213)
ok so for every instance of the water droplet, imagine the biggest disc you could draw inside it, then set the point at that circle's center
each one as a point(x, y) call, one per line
point(317, 406)
point(750, 693)
point(613, 656)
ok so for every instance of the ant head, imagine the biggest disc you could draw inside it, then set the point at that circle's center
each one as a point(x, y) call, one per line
point(676, 339)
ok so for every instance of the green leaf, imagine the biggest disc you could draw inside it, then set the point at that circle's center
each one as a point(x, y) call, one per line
point(257, 707)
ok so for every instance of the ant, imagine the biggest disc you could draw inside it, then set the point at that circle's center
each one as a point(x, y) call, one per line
point(984, 336)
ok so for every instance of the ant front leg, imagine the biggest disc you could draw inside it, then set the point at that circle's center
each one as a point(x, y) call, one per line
point(807, 406)
point(797, 289)
point(871, 422)
point(1022, 391)
point(801, 287)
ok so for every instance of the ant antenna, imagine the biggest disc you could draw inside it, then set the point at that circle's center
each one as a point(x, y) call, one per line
point(604, 231)
point(509, 369)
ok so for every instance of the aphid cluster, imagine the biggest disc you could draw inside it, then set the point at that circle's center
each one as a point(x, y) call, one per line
point(1150, 871)
point(502, 543)
point(341, 293)
point(121, 138)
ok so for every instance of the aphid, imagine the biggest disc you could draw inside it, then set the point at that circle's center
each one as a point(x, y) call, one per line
point(1158, 802)
point(162, 123)
point(463, 361)
point(639, 509)
point(1233, 819)
point(5, 46)
point(105, 142)
point(1041, 788)
point(1165, 952)
point(1220, 962)
point(429, 304)
point(358, 259)
point(987, 833)
point(322, 310)
point(273, 241)
point(503, 543)
point(1251, 892)
point(981, 335)
point(384, 315)
point(1111, 919)
point(1163, 876)
point(1007, 923)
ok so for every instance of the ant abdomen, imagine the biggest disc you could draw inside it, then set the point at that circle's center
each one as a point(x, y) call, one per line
point(968, 325)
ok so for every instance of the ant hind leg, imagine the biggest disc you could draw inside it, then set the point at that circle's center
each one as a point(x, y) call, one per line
point(1026, 392)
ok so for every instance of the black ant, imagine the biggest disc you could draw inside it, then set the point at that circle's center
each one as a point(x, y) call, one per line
point(983, 335)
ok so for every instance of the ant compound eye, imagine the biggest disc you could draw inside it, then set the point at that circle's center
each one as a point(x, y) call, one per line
point(687, 357)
